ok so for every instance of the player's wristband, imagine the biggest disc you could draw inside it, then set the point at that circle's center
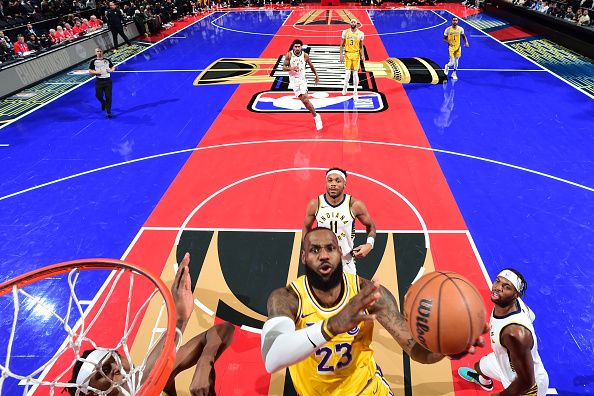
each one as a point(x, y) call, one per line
point(315, 335)
point(371, 241)
point(326, 330)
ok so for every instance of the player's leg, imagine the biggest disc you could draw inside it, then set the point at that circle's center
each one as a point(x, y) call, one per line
point(303, 97)
point(450, 63)
point(189, 355)
point(485, 370)
point(347, 73)
point(356, 77)
point(457, 54)
point(301, 92)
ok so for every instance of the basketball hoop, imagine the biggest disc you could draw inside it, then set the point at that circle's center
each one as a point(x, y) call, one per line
point(137, 290)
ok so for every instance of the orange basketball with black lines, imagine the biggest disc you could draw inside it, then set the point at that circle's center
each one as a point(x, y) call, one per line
point(445, 312)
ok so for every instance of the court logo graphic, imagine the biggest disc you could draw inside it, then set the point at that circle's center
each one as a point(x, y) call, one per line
point(326, 96)
point(270, 102)
point(326, 17)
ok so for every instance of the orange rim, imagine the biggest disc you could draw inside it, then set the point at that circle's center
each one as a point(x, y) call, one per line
point(158, 377)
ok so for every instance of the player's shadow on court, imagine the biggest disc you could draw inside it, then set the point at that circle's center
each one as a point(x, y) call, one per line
point(144, 106)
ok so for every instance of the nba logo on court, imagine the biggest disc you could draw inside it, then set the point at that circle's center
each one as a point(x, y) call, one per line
point(327, 102)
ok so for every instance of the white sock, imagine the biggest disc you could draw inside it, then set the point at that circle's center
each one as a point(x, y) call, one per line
point(347, 76)
point(455, 64)
point(484, 381)
point(451, 62)
point(355, 79)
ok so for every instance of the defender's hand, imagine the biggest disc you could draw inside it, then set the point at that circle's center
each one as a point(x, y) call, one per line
point(182, 291)
point(362, 250)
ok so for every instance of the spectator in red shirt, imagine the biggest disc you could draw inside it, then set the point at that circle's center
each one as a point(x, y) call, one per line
point(60, 33)
point(68, 33)
point(95, 23)
point(77, 29)
point(20, 46)
point(85, 24)
point(54, 37)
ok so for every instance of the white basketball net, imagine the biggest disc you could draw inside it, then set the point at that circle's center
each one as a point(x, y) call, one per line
point(77, 335)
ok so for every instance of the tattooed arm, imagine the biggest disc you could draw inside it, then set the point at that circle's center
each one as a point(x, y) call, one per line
point(283, 302)
point(386, 311)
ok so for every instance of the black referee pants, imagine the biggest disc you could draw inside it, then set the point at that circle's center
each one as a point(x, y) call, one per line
point(103, 87)
point(118, 30)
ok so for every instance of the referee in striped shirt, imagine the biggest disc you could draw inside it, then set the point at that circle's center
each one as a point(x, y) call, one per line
point(101, 67)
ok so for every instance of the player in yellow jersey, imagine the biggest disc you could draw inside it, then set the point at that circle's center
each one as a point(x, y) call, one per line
point(351, 53)
point(452, 36)
point(321, 326)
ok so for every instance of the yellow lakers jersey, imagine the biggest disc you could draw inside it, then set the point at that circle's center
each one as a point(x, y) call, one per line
point(344, 365)
point(352, 40)
point(453, 35)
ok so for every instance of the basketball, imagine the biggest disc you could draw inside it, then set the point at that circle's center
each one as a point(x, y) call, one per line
point(445, 312)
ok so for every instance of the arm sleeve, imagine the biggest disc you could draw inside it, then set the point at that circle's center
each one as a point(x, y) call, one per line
point(283, 346)
point(461, 30)
point(92, 65)
point(445, 32)
point(110, 63)
point(343, 34)
point(361, 35)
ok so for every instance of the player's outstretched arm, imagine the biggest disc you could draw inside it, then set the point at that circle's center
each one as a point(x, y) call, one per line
point(518, 341)
point(184, 305)
point(387, 313)
point(281, 344)
point(310, 217)
point(389, 316)
point(201, 352)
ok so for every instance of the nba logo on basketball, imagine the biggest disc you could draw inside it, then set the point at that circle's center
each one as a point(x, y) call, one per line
point(323, 101)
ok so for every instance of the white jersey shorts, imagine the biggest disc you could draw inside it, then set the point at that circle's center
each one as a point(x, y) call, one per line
point(299, 86)
point(490, 367)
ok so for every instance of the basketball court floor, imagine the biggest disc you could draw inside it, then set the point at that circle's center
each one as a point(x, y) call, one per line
point(490, 171)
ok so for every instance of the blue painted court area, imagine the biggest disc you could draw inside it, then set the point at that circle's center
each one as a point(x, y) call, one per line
point(541, 226)
point(99, 213)
point(503, 108)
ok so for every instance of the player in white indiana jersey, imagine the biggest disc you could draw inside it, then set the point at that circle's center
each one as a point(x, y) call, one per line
point(295, 63)
point(337, 211)
point(515, 361)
